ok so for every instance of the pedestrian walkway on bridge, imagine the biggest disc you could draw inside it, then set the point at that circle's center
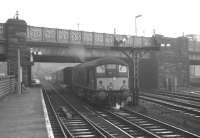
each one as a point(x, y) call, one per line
point(21, 116)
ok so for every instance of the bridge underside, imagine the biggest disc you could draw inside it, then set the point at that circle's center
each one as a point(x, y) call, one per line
point(60, 59)
point(72, 54)
point(194, 62)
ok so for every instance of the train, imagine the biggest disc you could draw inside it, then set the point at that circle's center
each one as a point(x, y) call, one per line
point(104, 81)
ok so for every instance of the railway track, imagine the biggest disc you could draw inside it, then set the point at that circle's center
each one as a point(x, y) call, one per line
point(73, 124)
point(187, 110)
point(107, 128)
point(179, 100)
point(127, 126)
point(130, 124)
point(155, 127)
point(114, 126)
point(138, 125)
point(184, 96)
point(174, 103)
point(56, 126)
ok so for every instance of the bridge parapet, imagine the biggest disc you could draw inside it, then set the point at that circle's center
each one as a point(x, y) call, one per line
point(54, 35)
point(40, 34)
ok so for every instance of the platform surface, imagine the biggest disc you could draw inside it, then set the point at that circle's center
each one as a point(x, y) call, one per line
point(21, 116)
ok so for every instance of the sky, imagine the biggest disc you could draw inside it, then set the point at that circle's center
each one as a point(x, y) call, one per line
point(170, 18)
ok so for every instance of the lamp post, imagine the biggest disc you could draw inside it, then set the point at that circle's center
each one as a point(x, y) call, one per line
point(78, 26)
point(136, 23)
point(19, 73)
point(136, 69)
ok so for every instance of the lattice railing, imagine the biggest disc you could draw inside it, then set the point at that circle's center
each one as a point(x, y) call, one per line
point(7, 85)
point(40, 34)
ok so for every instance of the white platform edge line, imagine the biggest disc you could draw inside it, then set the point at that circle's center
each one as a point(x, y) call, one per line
point(47, 121)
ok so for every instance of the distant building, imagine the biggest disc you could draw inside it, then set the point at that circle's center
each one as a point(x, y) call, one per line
point(193, 37)
point(194, 57)
point(167, 68)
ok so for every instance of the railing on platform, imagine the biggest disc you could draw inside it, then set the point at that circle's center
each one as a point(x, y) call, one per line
point(7, 85)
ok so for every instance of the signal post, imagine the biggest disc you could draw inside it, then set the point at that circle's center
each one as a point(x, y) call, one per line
point(133, 55)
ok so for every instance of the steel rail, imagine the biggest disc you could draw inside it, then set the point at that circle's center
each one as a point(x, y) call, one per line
point(174, 100)
point(131, 128)
point(175, 95)
point(173, 105)
point(57, 127)
point(111, 130)
point(157, 127)
point(77, 125)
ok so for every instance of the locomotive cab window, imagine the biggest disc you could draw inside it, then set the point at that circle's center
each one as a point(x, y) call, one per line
point(100, 69)
point(111, 69)
point(122, 69)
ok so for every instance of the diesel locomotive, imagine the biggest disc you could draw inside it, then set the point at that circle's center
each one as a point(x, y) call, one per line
point(104, 81)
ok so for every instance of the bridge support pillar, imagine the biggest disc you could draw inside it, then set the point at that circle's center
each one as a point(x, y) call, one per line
point(17, 52)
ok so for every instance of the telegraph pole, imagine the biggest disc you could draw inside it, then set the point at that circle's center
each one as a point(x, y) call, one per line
point(19, 69)
point(19, 74)
point(136, 69)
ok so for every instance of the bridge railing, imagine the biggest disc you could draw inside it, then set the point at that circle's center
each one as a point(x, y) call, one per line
point(41, 34)
point(7, 85)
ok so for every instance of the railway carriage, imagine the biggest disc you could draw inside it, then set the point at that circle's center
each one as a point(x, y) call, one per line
point(58, 76)
point(67, 76)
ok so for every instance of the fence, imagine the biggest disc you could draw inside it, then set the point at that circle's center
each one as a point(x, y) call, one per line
point(7, 85)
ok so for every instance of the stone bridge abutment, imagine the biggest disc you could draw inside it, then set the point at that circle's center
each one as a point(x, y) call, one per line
point(17, 50)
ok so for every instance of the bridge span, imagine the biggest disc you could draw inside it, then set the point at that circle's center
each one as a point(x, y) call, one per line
point(72, 44)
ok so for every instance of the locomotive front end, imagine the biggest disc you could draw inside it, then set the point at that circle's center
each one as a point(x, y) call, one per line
point(112, 82)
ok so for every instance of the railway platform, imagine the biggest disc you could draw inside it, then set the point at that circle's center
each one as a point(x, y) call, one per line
point(21, 116)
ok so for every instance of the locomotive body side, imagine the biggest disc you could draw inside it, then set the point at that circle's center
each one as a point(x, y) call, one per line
point(112, 74)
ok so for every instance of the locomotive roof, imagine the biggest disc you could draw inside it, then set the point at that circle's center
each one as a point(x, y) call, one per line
point(102, 61)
